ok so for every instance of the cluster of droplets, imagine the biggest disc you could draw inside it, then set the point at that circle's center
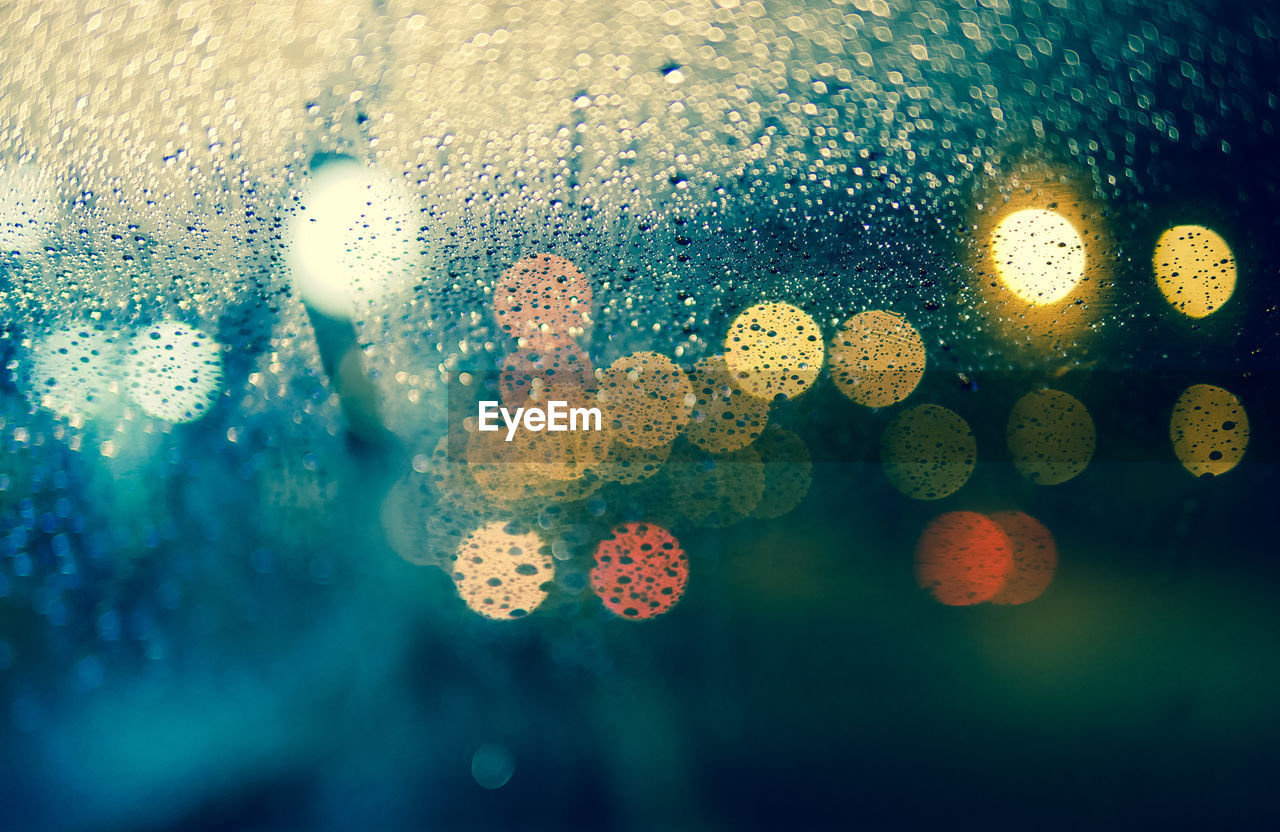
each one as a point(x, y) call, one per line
point(174, 137)
point(679, 445)
point(697, 443)
point(164, 174)
point(170, 371)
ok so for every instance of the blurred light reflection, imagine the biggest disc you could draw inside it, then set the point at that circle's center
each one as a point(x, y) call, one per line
point(640, 571)
point(502, 573)
point(928, 452)
point(1035, 557)
point(774, 350)
point(1051, 436)
point(963, 558)
point(1209, 430)
point(1039, 255)
point(1195, 269)
point(877, 358)
point(353, 239)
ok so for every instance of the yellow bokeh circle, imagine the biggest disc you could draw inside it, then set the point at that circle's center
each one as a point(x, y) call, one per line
point(1051, 436)
point(774, 349)
point(1039, 255)
point(645, 398)
point(1195, 269)
point(1209, 430)
point(501, 573)
point(724, 418)
point(877, 358)
point(928, 452)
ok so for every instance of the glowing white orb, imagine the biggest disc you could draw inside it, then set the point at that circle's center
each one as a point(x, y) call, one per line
point(28, 209)
point(1039, 255)
point(174, 371)
point(73, 371)
point(353, 238)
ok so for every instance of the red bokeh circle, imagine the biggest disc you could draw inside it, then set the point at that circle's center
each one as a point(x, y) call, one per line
point(640, 571)
point(1035, 557)
point(963, 558)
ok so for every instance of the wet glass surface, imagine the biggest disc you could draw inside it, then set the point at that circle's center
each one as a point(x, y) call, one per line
point(934, 351)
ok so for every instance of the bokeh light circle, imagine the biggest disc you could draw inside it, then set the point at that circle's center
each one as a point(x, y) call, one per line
point(1035, 557)
point(502, 573)
point(73, 370)
point(542, 293)
point(774, 349)
point(640, 571)
point(545, 367)
point(354, 238)
point(928, 452)
point(724, 418)
point(963, 558)
point(877, 358)
point(788, 472)
point(1051, 436)
point(1195, 269)
point(1039, 255)
point(645, 399)
point(174, 371)
point(1209, 430)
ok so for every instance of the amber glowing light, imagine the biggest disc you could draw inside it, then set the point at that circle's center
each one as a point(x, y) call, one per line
point(1195, 269)
point(1041, 262)
point(774, 350)
point(877, 358)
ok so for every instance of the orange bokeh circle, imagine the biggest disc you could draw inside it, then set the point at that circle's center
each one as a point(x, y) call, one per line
point(640, 571)
point(963, 558)
point(542, 293)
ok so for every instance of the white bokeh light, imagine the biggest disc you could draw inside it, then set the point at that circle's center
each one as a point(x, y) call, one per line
point(174, 371)
point(74, 371)
point(354, 238)
point(1039, 254)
